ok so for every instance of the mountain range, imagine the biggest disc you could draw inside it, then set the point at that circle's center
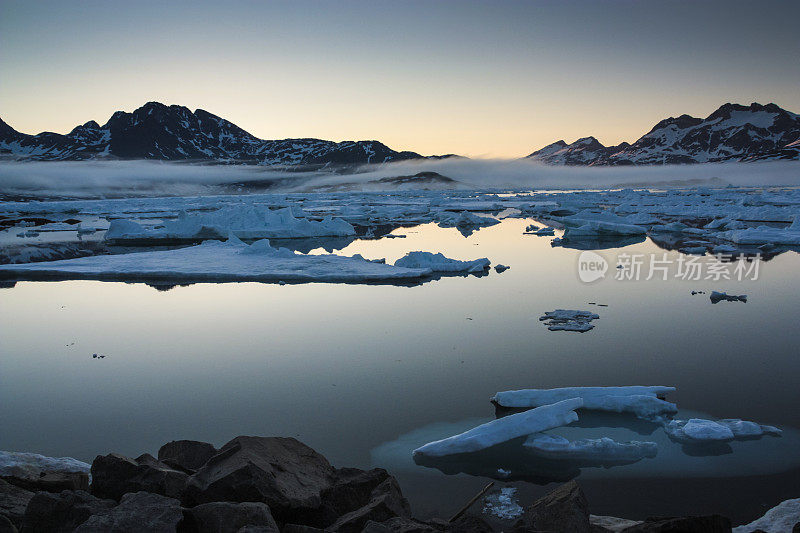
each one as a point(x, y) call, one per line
point(174, 133)
point(731, 133)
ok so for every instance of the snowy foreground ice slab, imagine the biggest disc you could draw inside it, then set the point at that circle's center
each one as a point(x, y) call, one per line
point(640, 400)
point(779, 519)
point(569, 320)
point(505, 429)
point(22, 464)
point(604, 449)
point(699, 430)
point(218, 261)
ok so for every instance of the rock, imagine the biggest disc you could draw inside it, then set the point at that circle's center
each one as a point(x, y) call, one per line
point(138, 512)
point(474, 524)
point(113, 475)
point(6, 525)
point(186, 455)
point(610, 523)
point(228, 517)
point(386, 502)
point(297, 528)
point(284, 473)
point(564, 509)
point(687, 524)
point(351, 489)
point(52, 481)
point(399, 525)
point(13, 501)
point(62, 512)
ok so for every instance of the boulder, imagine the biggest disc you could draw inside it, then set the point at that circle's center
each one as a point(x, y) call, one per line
point(351, 489)
point(282, 472)
point(386, 502)
point(474, 524)
point(564, 509)
point(399, 525)
point(63, 512)
point(6, 525)
point(687, 524)
point(53, 481)
point(114, 475)
point(13, 501)
point(228, 517)
point(186, 455)
point(138, 512)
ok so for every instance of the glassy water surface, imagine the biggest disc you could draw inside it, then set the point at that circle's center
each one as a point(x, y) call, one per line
point(366, 373)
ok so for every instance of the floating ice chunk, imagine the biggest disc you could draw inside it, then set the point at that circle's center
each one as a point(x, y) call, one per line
point(218, 261)
point(440, 263)
point(601, 450)
point(464, 219)
point(531, 228)
point(763, 235)
point(569, 320)
point(700, 430)
point(503, 504)
point(24, 465)
point(603, 228)
point(724, 296)
point(723, 249)
point(505, 429)
point(501, 268)
point(780, 519)
point(546, 231)
point(640, 400)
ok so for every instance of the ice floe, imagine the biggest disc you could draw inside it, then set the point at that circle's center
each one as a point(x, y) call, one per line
point(23, 464)
point(569, 320)
point(503, 504)
point(642, 401)
point(464, 219)
point(439, 263)
point(219, 261)
point(504, 429)
point(716, 296)
point(699, 430)
point(604, 449)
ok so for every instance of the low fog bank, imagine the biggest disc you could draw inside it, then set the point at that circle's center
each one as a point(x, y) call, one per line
point(149, 178)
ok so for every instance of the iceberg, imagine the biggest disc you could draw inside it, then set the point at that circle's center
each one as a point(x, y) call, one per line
point(440, 263)
point(724, 296)
point(569, 320)
point(603, 228)
point(504, 429)
point(602, 450)
point(763, 235)
point(642, 401)
point(464, 219)
point(217, 261)
point(700, 430)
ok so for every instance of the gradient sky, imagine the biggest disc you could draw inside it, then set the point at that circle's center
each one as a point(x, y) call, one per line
point(476, 78)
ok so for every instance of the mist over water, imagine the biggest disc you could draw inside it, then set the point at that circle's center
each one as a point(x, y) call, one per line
point(156, 178)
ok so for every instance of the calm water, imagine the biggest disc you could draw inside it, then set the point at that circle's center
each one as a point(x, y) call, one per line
point(365, 373)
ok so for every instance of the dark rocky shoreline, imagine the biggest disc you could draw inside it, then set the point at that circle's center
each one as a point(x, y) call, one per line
point(267, 484)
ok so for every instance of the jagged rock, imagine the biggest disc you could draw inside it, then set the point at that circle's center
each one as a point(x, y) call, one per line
point(284, 473)
point(227, 517)
point(386, 502)
point(6, 525)
point(399, 525)
point(137, 512)
point(564, 509)
point(114, 475)
point(13, 501)
point(601, 524)
point(62, 512)
point(53, 481)
point(687, 524)
point(351, 489)
point(298, 528)
point(472, 524)
point(187, 455)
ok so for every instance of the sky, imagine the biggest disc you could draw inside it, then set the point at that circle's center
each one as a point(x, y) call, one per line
point(477, 78)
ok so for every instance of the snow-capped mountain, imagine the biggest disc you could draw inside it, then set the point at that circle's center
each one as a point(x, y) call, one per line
point(174, 133)
point(731, 133)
